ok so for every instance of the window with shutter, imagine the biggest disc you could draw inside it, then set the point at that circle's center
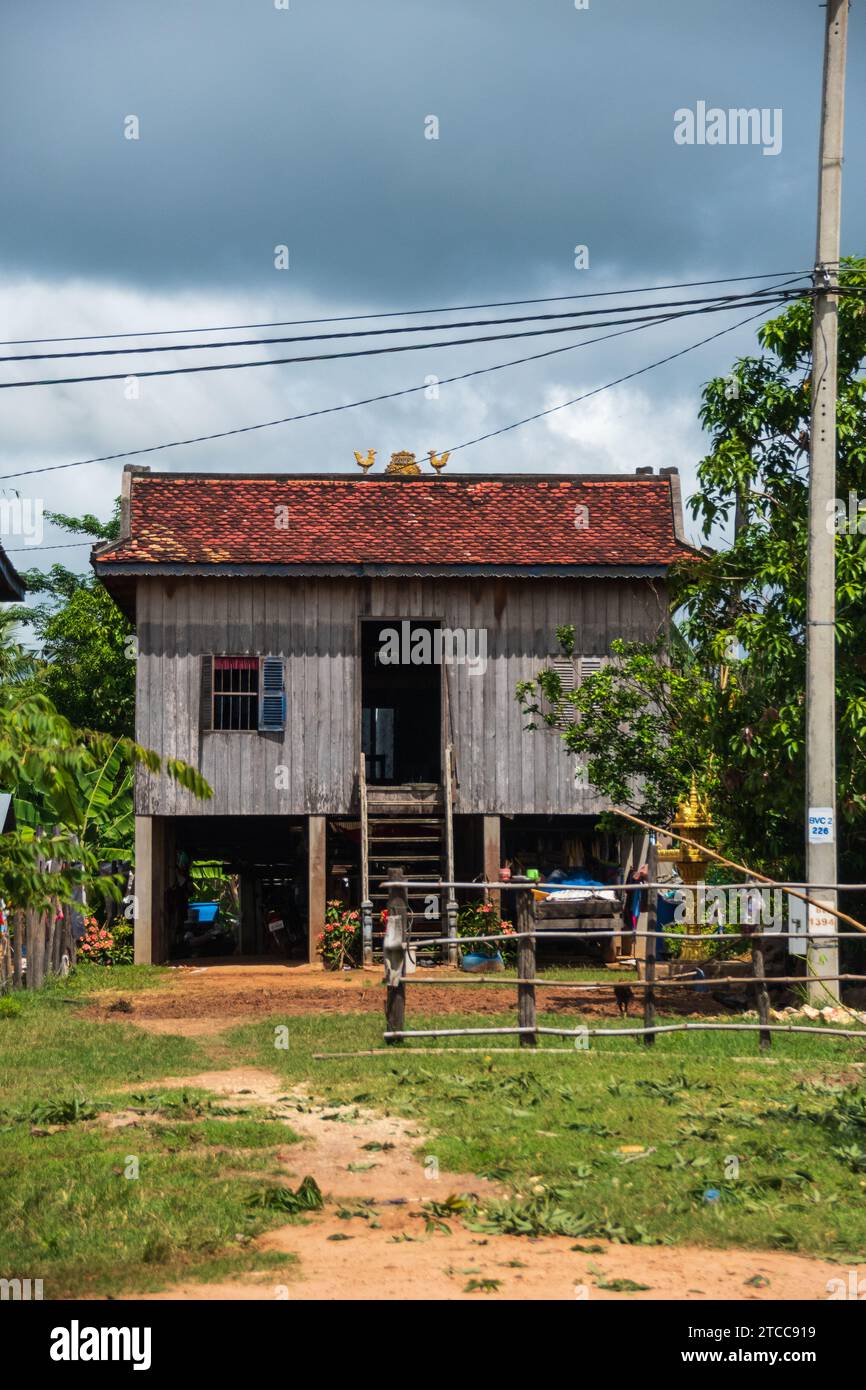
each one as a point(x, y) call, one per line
point(572, 671)
point(242, 694)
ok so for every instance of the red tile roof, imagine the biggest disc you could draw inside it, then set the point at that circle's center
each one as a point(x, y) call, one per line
point(491, 521)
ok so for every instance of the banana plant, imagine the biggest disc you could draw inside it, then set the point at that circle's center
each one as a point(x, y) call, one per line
point(100, 811)
point(73, 787)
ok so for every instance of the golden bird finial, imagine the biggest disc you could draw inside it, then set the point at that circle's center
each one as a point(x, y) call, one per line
point(365, 463)
point(438, 463)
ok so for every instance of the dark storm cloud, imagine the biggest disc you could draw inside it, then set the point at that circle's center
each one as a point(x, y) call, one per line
point(262, 126)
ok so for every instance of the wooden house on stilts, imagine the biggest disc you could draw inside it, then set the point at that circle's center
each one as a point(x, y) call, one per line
point(339, 655)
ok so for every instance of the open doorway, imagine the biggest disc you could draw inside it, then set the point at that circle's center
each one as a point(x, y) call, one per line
point(401, 698)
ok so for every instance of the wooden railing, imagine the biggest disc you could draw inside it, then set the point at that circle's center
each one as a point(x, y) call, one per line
point(528, 1030)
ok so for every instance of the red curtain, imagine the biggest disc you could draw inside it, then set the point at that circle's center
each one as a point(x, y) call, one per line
point(236, 663)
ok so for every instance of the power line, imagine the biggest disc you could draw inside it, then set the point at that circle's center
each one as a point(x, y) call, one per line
point(504, 429)
point(322, 410)
point(782, 297)
point(327, 410)
point(402, 313)
point(720, 300)
point(491, 434)
point(69, 545)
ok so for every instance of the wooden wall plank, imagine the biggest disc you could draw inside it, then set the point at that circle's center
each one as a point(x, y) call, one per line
point(313, 625)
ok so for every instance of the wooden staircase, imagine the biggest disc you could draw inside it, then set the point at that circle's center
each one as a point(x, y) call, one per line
point(417, 839)
point(414, 844)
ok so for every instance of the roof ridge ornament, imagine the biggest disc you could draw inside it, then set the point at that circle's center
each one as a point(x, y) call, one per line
point(403, 463)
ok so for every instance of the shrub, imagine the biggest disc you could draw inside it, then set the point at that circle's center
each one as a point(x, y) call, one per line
point(102, 945)
point(483, 919)
point(340, 943)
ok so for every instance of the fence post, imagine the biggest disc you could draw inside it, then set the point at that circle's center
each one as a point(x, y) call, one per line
point(50, 935)
point(761, 995)
point(367, 931)
point(526, 1013)
point(394, 955)
point(18, 949)
point(451, 917)
point(649, 994)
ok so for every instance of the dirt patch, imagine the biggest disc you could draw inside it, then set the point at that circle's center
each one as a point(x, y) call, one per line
point(203, 1000)
point(384, 1251)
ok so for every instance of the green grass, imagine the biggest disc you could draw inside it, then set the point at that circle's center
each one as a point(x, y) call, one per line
point(71, 1215)
point(46, 1047)
point(618, 1141)
point(75, 1217)
point(576, 972)
point(556, 1127)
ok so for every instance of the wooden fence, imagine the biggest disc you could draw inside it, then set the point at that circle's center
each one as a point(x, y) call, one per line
point(35, 946)
point(528, 1031)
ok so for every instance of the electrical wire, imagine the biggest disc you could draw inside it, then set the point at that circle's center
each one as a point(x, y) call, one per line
point(403, 313)
point(326, 410)
point(629, 376)
point(516, 424)
point(719, 300)
point(782, 297)
point(69, 545)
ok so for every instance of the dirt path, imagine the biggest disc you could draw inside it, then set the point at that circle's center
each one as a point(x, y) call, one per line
point(392, 1256)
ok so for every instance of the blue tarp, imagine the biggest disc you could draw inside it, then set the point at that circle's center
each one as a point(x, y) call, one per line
point(572, 878)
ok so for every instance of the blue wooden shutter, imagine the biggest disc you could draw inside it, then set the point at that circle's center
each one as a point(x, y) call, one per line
point(272, 694)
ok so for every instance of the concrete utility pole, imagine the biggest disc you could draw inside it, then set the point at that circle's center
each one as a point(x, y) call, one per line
point(823, 953)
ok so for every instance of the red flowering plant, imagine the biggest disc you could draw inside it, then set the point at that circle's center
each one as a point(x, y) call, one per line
point(483, 919)
point(340, 943)
point(102, 945)
point(97, 943)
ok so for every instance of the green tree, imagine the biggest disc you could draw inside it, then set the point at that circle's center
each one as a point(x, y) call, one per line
point(725, 699)
point(73, 788)
point(86, 647)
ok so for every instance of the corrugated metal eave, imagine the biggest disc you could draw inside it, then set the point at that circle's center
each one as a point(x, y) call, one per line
point(107, 568)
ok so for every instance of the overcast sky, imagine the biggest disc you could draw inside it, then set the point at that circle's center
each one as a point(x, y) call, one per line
point(306, 127)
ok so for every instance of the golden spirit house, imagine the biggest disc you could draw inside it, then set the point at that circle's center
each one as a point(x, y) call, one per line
point(339, 657)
